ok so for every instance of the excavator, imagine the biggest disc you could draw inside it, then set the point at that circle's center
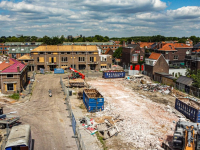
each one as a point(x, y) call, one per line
point(189, 138)
point(76, 74)
point(186, 136)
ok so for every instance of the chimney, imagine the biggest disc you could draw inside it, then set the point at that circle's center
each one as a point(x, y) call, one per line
point(124, 44)
point(18, 69)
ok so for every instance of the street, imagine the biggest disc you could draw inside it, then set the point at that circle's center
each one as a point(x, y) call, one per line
point(46, 115)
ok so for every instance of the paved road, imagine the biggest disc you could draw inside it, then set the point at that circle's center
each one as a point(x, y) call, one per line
point(47, 115)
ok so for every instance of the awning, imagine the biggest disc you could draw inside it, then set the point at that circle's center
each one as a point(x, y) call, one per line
point(182, 64)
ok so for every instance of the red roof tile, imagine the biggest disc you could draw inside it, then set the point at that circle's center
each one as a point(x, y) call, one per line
point(173, 46)
point(107, 51)
point(198, 50)
point(6, 64)
point(146, 44)
point(12, 67)
point(154, 56)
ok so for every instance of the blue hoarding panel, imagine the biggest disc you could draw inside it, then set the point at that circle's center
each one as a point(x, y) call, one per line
point(73, 124)
point(190, 112)
point(107, 75)
point(58, 71)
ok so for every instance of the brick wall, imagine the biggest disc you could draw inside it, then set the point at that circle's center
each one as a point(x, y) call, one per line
point(19, 79)
point(71, 59)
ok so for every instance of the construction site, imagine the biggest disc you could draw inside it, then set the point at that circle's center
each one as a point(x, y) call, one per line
point(106, 110)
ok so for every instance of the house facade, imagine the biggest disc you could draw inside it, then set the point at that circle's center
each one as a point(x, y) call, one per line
point(75, 56)
point(3, 48)
point(174, 52)
point(156, 63)
point(14, 76)
point(131, 54)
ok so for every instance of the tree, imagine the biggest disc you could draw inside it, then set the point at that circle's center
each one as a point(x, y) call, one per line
point(196, 79)
point(118, 53)
point(181, 40)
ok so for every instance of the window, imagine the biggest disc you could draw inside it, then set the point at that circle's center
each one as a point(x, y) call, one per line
point(13, 49)
point(49, 53)
point(91, 59)
point(1, 48)
point(5, 48)
point(81, 59)
point(90, 53)
point(83, 52)
point(22, 49)
point(166, 52)
point(10, 87)
point(37, 59)
point(9, 75)
point(175, 57)
point(62, 53)
point(64, 59)
point(41, 53)
point(22, 54)
point(68, 52)
point(26, 60)
point(173, 52)
point(135, 57)
point(103, 67)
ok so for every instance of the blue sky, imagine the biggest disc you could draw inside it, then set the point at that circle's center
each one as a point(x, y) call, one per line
point(113, 18)
point(174, 4)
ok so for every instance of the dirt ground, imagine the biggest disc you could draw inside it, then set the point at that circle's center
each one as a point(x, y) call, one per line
point(46, 115)
point(148, 118)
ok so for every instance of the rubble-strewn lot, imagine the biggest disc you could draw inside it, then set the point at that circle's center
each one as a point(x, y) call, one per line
point(146, 123)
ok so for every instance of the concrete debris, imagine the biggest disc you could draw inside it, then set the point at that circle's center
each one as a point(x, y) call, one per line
point(105, 125)
point(155, 87)
point(145, 123)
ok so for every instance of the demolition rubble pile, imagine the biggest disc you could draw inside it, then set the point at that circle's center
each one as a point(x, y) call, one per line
point(105, 125)
point(153, 87)
point(145, 124)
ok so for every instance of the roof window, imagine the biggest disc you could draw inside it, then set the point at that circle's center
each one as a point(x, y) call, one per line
point(13, 49)
point(22, 49)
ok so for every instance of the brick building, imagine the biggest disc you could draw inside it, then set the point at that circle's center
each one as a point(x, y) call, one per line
point(174, 52)
point(156, 63)
point(13, 76)
point(18, 51)
point(3, 48)
point(104, 48)
point(130, 55)
point(27, 60)
point(77, 57)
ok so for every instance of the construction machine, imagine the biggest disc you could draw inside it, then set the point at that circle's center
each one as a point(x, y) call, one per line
point(186, 136)
point(189, 138)
point(76, 74)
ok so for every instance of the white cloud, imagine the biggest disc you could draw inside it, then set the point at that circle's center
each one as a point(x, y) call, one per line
point(89, 17)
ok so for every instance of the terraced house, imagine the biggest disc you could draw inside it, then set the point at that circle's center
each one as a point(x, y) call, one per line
point(75, 56)
point(18, 51)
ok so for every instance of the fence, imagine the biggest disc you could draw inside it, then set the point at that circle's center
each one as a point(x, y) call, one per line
point(79, 140)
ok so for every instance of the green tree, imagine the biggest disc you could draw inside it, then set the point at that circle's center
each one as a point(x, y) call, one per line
point(196, 79)
point(118, 53)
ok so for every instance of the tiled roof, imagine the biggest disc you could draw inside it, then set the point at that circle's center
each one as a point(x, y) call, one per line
point(181, 45)
point(11, 66)
point(69, 48)
point(107, 51)
point(154, 56)
point(173, 46)
point(24, 57)
point(146, 44)
point(6, 64)
point(198, 50)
